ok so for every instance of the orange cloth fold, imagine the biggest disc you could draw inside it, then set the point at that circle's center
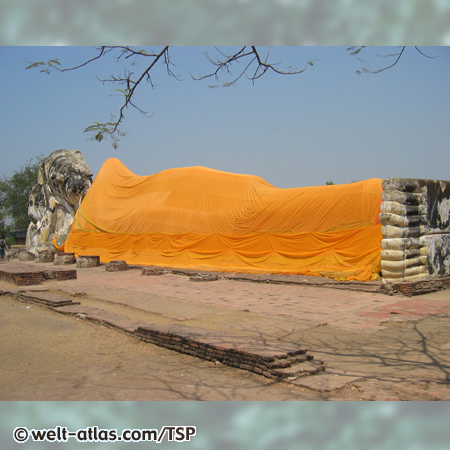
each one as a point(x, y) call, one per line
point(204, 219)
point(58, 247)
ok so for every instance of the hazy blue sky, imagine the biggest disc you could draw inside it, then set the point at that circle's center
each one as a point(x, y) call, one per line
point(325, 124)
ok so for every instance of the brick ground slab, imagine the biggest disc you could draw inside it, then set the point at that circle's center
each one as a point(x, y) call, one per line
point(259, 356)
point(22, 276)
point(26, 275)
point(47, 299)
point(278, 360)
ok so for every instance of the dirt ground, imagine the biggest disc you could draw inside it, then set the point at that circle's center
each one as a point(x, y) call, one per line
point(394, 348)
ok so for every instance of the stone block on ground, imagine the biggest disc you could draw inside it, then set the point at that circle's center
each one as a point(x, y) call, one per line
point(21, 277)
point(60, 275)
point(27, 278)
point(45, 256)
point(66, 274)
point(152, 271)
point(12, 253)
point(64, 258)
point(26, 256)
point(204, 277)
point(117, 266)
point(86, 261)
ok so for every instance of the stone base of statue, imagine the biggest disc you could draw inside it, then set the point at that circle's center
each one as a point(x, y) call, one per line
point(117, 266)
point(88, 261)
point(45, 256)
point(64, 258)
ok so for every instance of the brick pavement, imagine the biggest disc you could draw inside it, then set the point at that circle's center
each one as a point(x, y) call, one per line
point(349, 309)
point(309, 305)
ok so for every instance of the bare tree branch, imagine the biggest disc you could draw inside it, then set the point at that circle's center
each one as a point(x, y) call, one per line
point(111, 128)
point(397, 57)
point(53, 64)
point(132, 85)
point(255, 67)
point(247, 61)
point(225, 62)
point(423, 54)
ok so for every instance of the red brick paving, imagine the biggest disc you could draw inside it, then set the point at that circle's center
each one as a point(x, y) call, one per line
point(349, 309)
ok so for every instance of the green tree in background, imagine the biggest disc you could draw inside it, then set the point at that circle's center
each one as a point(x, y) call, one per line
point(14, 193)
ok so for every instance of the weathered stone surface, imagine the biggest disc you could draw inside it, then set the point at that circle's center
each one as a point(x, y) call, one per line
point(206, 277)
point(438, 248)
point(62, 274)
point(438, 201)
point(152, 271)
point(44, 256)
point(398, 255)
point(88, 261)
point(12, 253)
point(117, 266)
point(391, 232)
point(408, 272)
point(63, 180)
point(405, 263)
point(405, 198)
point(65, 274)
point(400, 184)
point(401, 221)
point(402, 210)
point(400, 243)
point(26, 256)
point(64, 258)
point(415, 218)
